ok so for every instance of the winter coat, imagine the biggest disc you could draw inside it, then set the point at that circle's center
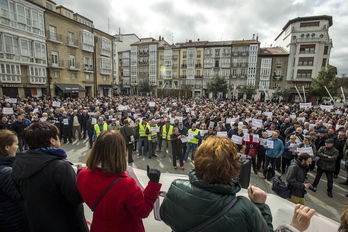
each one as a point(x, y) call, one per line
point(296, 176)
point(48, 185)
point(277, 150)
point(123, 206)
point(326, 163)
point(190, 202)
point(13, 214)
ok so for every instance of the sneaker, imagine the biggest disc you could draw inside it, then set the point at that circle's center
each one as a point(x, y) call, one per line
point(182, 168)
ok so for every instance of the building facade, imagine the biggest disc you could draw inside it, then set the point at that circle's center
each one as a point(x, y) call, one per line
point(309, 45)
point(23, 60)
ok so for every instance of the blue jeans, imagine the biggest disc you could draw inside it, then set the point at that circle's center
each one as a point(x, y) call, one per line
point(190, 147)
point(142, 143)
point(273, 162)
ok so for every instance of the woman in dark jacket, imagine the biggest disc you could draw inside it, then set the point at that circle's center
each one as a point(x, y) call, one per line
point(13, 215)
point(47, 182)
point(211, 186)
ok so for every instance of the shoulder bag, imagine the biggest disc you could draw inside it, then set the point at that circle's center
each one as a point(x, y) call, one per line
point(103, 194)
point(222, 212)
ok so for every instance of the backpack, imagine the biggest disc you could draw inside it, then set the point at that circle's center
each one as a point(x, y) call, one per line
point(280, 188)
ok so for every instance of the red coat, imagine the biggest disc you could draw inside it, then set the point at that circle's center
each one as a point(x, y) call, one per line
point(122, 207)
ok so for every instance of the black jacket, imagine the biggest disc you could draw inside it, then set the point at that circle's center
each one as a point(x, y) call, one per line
point(296, 176)
point(13, 214)
point(48, 186)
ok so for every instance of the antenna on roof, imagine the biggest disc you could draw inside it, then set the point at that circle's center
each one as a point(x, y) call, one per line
point(108, 26)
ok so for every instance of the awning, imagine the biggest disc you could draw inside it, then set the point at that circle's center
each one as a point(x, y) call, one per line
point(71, 88)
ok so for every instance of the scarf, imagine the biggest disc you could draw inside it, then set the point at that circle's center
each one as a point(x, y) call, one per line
point(54, 151)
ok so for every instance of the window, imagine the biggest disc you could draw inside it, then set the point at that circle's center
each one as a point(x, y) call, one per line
point(105, 46)
point(304, 61)
point(38, 52)
point(72, 61)
point(53, 33)
point(304, 73)
point(199, 54)
point(71, 39)
point(54, 61)
point(217, 53)
point(8, 44)
point(184, 54)
point(310, 24)
point(88, 64)
point(326, 49)
point(10, 73)
point(49, 6)
point(67, 14)
point(87, 41)
point(73, 76)
point(323, 64)
point(4, 9)
point(88, 77)
point(279, 63)
point(56, 74)
point(37, 75)
point(308, 48)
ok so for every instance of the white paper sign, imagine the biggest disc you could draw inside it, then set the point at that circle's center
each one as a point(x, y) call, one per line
point(257, 123)
point(152, 104)
point(230, 120)
point(246, 137)
point(12, 100)
point(270, 144)
point(121, 108)
point(185, 140)
point(187, 110)
point(263, 142)
point(293, 116)
point(211, 124)
point(190, 134)
point(306, 105)
point(325, 107)
point(180, 119)
point(303, 119)
point(94, 121)
point(66, 121)
point(193, 112)
point(56, 104)
point(36, 110)
point(245, 131)
point(155, 129)
point(7, 110)
point(308, 150)
point(269, 114)
point(270, 133)
point(90, 113)
point(222, 133)
point(203, 132)
point(237, 139)
point(256, 138)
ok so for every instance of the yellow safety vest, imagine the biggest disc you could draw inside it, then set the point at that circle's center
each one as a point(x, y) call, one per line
point(150, 135)
point(97, 129)
point(195, 133)
point(142, 129)
point(166, 135)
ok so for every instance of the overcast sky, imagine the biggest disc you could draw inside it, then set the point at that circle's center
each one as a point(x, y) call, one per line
point(214, 20)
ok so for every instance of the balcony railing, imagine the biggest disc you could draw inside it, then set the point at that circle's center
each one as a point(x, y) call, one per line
point(183, 76)
point(199, 65)
point(59, 64)
point(305, 63)
point(184, 66)
point(74, 66)
point(54, 37)
point(88, 68)
point(198, 76)
point(72, 42)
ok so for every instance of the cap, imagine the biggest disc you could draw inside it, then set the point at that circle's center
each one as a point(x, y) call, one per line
point(329, 141)
point(313, 133)
point(235, 124)
point(308, 137)
point(322, 131)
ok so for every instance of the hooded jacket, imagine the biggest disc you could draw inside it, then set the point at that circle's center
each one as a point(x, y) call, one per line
point(296, 176)
point(13, 215)
point(191, 202)
point(48, 185)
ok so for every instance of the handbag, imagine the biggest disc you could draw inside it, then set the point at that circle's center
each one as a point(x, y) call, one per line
point(280, 188)
point(222, 212)
point(103, 194)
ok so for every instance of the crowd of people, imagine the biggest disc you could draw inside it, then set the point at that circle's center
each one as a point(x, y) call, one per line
point(290, 139)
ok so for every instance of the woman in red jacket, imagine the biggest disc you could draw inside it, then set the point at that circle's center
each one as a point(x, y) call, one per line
point(124, 204)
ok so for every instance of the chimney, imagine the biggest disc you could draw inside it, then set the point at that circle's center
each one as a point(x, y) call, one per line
point(159, 38)
point(253, 36)
point(162, 38)
point(190, 41)
point(198, 39)
point(257, 38)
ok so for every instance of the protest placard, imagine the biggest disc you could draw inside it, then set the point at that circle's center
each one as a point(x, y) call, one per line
point(237, 139)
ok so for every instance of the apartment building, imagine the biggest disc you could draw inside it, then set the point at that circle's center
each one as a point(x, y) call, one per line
point(123, 42)
point(271, 71)
point(23, 59)
point(80, 59)
point(144, 65)
point(309, 45)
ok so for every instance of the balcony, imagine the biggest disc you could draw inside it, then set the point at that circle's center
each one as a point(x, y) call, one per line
point(199, 65)
point(74, 67)
point(199, 76)
point(242, 75)
point(184, 66)
point(183, 76)
point(244, 64)
point(54, 37)
point(175, 76)
point(244, 53)
point(278, 78)
point(8, 78)
point(72, 42)
point(174, 66)
point(88, 68)
point(305, 63)
point(235, 53)
point(37, 80)
point(57, 64)
point(198, 86)
point(175, 57)
point(235, 64)
point(226, 54)
point(234, 75)
point(208, 55)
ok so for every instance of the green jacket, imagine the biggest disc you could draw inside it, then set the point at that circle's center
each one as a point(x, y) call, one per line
point(328, 157)
point(191, 202)
point(345, 151)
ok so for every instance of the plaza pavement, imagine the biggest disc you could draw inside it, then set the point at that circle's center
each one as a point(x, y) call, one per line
point(329, 207)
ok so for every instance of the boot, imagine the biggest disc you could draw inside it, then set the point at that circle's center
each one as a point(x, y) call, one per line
point(329, 193)
point(344, 182)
